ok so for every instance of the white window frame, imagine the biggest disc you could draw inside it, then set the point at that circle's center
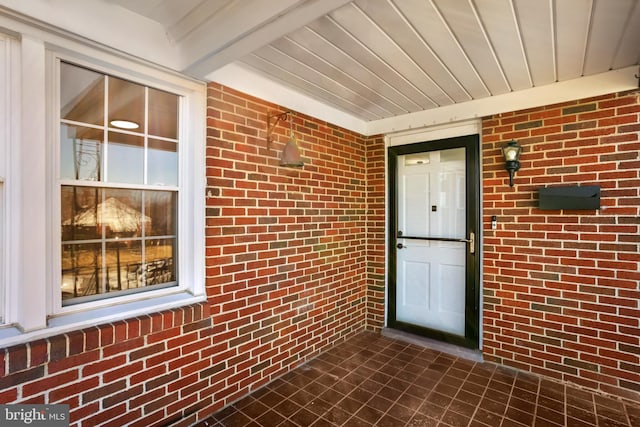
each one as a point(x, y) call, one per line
point(33, 305)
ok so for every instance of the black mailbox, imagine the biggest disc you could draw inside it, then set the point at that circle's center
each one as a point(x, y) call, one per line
point(570, 197)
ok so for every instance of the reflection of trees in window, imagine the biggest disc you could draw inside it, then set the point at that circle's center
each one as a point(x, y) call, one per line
point(117, 239)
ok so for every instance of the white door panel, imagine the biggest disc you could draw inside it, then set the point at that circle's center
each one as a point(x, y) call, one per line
point(431, 274)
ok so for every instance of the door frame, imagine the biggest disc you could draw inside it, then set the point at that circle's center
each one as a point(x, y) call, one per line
point(473, 261)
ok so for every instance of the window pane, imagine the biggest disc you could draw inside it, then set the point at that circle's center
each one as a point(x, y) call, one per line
point(80, 213)
point(126, 102)
point(82, 272)
point(163, 114)
point(161, 206)
point(80, 152)
point(124, 261)
point(81, 95)
point(125, 158)
point(162, 162)
point(160, 266)
point(121, 213)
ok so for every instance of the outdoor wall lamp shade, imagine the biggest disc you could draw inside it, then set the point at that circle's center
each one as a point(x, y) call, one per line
point(290, 156)
point(511, 153)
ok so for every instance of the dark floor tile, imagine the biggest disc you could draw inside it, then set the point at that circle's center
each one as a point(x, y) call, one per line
point(487, 417)
point(462, 408)
point(287, 407)
point(369, 414)
point(322, 422)
point(455, 419)
point(550, 415)
point(421, 420)
point(401, 412)
point(270, 418)
point(318, 406)
point(380, 403)
point(337, 415)
point(237, 419)
point(467, 397)
point(303, 418)
point(432, 410)
point(254, 409)
point(302, 397)
point(376, 381)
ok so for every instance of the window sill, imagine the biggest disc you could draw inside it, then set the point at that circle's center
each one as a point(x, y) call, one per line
point(12, 335)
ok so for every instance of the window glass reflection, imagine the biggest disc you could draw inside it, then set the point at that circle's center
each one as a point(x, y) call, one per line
point(160, 266)
point(125, 158)
point(162, 162)
point(80, 213)
point(121, 213)
point(80, 153)
point(160, 206)
point(82, 272)
point(163, 114)
point(116, 240)
point(126, 102)
point(81, 94)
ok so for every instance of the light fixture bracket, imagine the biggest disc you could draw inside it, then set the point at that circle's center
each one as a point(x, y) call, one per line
point(271, 126)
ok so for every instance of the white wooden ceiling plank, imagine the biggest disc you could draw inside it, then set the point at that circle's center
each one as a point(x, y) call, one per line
point(536, 25)
point(314, 79)
point(425, 19)
point(573, 19)
point(498, 18)
point(570, 90)
point(362, 28)
point(291, 80)
point(628, 52)
point(247, 79)
point(291, 48)
point(330, 30)
point(400, 30)
point(338, 58)
point(246, 26)
point(186, 16)
point(465, 27)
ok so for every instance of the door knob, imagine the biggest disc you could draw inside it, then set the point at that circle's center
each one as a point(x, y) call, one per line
point(399, 246)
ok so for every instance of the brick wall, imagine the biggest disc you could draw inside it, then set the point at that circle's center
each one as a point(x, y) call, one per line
point(139, 373)
point(286, 248)
point(375, 233)
point(562, 288)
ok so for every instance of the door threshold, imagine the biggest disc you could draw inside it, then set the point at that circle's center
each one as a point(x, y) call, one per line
point(452, 349)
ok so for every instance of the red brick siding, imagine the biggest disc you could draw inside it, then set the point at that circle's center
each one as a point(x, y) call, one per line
point(121, 373)
point(375, 233)
point(562, 288)
point(286, 248)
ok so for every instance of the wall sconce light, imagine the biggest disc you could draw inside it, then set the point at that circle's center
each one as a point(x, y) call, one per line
point(511, 153)
point(291, 152)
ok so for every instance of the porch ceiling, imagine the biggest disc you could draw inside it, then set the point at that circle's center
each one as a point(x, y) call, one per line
point(376, 60)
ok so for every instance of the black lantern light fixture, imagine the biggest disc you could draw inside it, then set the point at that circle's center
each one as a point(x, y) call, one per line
point(511, 153)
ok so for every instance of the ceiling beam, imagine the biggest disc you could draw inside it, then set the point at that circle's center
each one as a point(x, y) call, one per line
point(245, 26)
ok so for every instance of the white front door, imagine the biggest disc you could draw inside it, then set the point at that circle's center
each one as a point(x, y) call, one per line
point(431, 273)
point(434, 246)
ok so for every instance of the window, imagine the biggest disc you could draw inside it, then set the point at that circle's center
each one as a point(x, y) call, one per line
point(118, 167)
point(103, 198)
